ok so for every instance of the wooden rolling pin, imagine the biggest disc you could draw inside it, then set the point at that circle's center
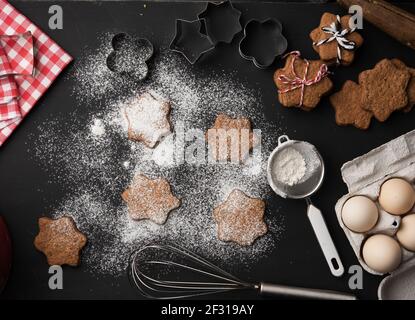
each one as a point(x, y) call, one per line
point(396, 22)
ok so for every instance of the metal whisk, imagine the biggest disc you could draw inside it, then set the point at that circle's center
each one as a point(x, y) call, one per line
point(158, 272)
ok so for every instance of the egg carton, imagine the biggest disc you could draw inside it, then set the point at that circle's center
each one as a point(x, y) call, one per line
point(365, 175)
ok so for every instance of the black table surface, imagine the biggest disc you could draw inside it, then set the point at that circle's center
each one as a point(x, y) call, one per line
point(298, 259)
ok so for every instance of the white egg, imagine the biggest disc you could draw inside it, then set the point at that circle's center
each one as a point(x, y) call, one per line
point(397, 196)
point(382, 253)
point(406, 232)
point(360, 214)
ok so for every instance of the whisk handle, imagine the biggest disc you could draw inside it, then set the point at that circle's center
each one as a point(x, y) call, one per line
point(303, 293)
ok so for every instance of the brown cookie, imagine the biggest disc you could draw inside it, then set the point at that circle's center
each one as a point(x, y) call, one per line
point(60, 240)
point(150, 199)
point(240, 219)
point(330, 49)
point(148, 119)
point(384, 89)
point(231, 139)
point(411, 85)
point(347, 104)
point(302, 83)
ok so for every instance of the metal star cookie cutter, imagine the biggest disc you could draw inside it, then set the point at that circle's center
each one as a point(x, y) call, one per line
point(189, 41)
point(222, 21)
point(130, 56)
point(262, 42)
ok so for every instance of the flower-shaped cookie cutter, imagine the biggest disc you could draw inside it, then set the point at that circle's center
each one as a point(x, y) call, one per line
point(262, 42)
point(190, 41)
point(222, 21)
point(130, 56)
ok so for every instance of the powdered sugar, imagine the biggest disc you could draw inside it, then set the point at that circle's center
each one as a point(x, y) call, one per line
point(97, 128)
point(163, 154)
point(94, 79)
point(126, 164)
point(289, 167)
point(96, 166)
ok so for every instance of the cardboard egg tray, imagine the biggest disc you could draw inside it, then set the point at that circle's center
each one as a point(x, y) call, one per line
point(365, 175)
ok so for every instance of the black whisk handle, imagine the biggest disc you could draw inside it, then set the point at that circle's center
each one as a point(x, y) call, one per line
point(303, 293)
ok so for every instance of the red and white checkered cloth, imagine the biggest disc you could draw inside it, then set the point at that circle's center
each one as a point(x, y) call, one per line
point(8, 92)
point(50, 60)
point(17, 54)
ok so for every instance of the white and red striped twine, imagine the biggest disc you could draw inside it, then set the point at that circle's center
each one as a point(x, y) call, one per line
point(298, 82)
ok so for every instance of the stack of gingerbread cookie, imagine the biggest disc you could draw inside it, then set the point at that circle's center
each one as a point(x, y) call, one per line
point(301, 82)
point(388, 87)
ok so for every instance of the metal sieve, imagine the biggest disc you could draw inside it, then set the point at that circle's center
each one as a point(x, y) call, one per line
point(303, 189)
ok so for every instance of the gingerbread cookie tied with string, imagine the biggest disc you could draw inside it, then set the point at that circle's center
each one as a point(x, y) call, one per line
point(335, 40)
point(302, 83)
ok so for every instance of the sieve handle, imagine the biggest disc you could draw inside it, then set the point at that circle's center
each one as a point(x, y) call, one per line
point(325, 240)
point(283, 139)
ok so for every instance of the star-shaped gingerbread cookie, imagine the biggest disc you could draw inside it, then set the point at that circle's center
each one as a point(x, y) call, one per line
point(348, 106)
point(302, 83)
point(231, 139)
point(384, 89)
point(334, 40)
point(150, 199)
point(411, 86)
point(60, 240)
point(240, 218)
point(148, 119)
